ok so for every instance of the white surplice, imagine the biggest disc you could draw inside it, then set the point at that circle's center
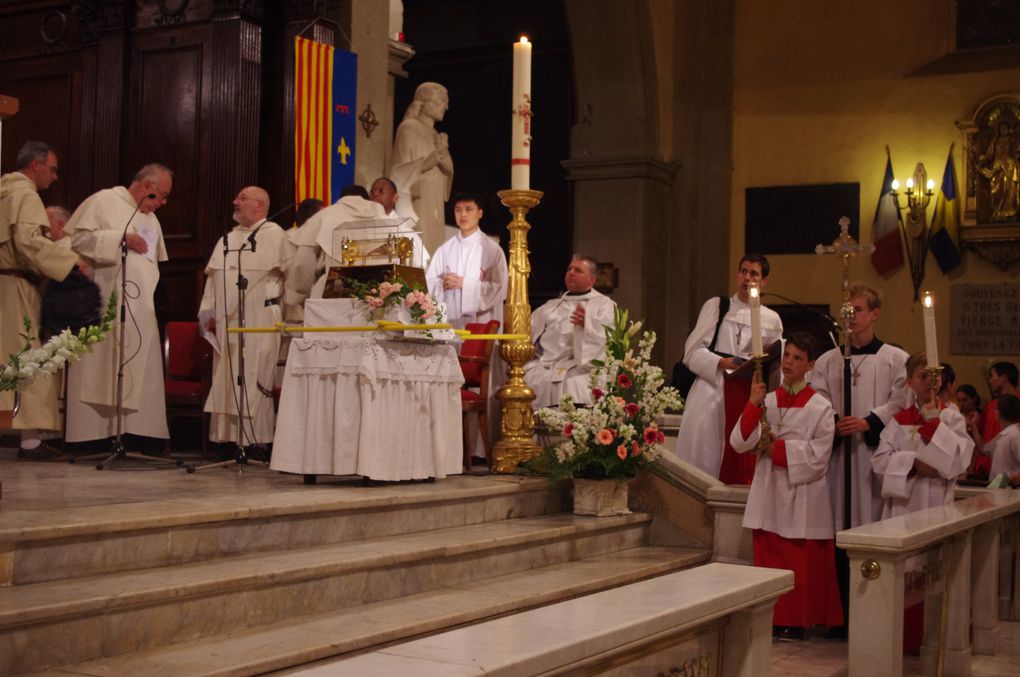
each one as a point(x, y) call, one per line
point(948, 452)
point(96, 229)
point(792, 501)
point(482, 264)
point(264, 269)
point(877, 393)
point(702, 429)
point(1004, 449)
point(564, 350)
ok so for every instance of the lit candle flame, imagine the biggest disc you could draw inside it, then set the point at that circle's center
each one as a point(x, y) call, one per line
point(928, 300)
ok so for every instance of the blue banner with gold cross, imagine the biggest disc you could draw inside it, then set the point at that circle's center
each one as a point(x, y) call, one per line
point(345, 118)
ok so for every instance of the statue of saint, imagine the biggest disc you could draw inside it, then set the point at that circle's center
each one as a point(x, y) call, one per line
point(998, 163)
point(422, 166)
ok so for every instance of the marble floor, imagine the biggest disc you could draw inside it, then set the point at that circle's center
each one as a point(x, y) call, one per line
point(818, 657)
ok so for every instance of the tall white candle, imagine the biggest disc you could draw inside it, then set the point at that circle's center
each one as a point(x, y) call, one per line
point(755, 303)
point(931, 348)
point(520, 148)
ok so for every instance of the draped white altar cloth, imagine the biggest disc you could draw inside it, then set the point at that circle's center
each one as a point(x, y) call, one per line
point(360, 404)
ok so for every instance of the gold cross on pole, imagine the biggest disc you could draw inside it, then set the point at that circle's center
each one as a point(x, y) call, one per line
point(845, 246)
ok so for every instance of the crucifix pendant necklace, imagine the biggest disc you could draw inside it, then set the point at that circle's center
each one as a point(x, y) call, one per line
point(857, 369)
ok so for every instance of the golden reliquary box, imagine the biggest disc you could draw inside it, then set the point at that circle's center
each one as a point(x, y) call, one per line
point(379, 259)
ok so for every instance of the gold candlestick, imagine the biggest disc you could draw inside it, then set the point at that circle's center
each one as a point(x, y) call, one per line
point(934, 375)
point(766, 430)
point(517, 424)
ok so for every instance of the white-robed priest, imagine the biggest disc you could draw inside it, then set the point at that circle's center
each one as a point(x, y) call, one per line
point(263, 261)
point(96, 229)
point(569, 332)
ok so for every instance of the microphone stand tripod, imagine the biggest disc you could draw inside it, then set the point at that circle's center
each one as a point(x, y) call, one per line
point(117, 448)
point(241, 457)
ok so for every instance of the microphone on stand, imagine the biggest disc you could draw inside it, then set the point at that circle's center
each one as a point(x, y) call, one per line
point(825, 316)
point(123, 237)
point(251, 237)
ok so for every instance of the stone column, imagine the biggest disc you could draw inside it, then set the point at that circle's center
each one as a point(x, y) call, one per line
point(747, 642)
point(984, 580)
point(876, 616)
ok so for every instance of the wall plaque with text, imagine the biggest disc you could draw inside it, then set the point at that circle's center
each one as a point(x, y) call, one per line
point(984, 319)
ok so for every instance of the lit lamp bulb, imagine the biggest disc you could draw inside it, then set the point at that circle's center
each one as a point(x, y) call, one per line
point(910, 184)
point(755, 303)
point(931, 185)
point(931, 349)
point(895, 185)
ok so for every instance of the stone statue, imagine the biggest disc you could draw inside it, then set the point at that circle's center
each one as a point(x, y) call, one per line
point(998, 163)
point(422, 166)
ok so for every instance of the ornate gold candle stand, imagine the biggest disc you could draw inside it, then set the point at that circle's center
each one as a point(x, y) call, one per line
point(517, 424)
point(934, 375)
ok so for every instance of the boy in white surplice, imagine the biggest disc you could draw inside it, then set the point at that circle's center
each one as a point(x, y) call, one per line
point(788, 504)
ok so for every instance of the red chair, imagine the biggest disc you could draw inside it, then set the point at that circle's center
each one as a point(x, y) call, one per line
point(187, 370)
point(474, 362)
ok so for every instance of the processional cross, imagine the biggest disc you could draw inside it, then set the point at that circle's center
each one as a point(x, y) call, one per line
point(845, 246)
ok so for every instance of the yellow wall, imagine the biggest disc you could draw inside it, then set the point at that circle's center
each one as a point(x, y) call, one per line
point(819, 90)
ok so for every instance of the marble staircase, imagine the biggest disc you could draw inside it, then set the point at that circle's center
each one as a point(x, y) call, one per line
point(201, 587)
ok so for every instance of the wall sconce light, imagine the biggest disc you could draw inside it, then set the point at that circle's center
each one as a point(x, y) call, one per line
point(917, 233)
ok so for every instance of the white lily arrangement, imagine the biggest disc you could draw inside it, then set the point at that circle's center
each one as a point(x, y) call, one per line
point(49, 358)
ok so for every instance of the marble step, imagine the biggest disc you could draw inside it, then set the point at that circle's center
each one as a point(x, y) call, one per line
point(55, 622)
point(40, 546)
point(315, 638)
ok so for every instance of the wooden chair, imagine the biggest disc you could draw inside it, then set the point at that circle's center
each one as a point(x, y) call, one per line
point(474, 362)
point(187, 369)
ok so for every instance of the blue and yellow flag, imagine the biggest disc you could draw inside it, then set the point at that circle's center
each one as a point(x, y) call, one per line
point(325, 89)
point(945, 221)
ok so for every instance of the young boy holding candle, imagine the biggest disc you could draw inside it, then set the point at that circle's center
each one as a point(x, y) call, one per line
point(923, 448)
point(788, 505)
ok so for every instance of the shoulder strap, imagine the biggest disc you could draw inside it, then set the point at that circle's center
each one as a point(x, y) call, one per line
point(724, 307)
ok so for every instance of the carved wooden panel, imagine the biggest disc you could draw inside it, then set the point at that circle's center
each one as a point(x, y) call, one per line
point(49, 90)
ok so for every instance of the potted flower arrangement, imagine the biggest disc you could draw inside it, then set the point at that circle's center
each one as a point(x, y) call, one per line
point(606, 444)
point(420, 306)
point(67, 346)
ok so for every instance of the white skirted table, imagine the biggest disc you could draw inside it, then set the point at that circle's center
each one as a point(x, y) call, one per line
point(361, 404)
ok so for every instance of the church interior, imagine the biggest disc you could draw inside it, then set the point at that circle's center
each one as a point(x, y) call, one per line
point(669, 138)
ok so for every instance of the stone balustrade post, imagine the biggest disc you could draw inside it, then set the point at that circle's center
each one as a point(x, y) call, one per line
point(984, 580)
point(876, 615)
point(747, 642)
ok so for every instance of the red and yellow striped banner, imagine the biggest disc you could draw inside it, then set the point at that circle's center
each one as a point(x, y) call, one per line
point(313, 129)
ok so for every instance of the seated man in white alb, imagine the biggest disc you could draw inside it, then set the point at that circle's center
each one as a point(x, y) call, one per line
point(569, 332)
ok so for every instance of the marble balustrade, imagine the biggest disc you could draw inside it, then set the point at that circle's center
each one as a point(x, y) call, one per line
point(953, 548)
point(711, 620)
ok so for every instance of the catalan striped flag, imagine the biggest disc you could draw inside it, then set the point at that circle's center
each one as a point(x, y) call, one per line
point(325, 88)
point(945, 221)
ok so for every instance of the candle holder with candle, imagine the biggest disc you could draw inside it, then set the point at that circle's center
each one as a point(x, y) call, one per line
point(517, 425)
point(759, 376)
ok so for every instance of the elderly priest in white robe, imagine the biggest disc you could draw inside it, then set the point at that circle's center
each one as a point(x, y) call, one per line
point(26, 257)
point(96, 229)
point(569, 332)
point(264, 269)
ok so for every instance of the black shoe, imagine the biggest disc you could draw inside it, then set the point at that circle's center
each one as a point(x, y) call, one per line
point(787, 633)
point(836, 632)
point(478, 460)
point(43, 452)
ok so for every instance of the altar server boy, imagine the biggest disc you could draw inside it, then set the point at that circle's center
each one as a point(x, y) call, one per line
point(922, 449)
point(1004, 448)
point(788, 505)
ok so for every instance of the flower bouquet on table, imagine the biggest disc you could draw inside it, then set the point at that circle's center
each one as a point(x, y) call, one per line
point(67, 346)
point(618, 435)
point(398, 301)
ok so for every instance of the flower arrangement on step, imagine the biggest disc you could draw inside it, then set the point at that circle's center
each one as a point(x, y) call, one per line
point(396, 294)
point(67, 346)
point(617, 436)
